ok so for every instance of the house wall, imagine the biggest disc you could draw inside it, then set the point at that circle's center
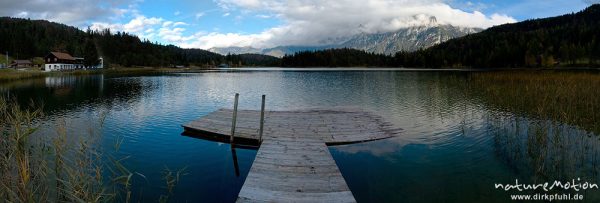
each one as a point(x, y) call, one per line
point(62, 66)
point(22, 65)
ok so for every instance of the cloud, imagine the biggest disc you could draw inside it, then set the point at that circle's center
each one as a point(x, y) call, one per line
point(137, 25)
point(199, 15)
point(72, 12)
point(167, 23)
point(173, 35)
point(263, 16)
point(302, 22)
point(315, 22)
point(179, 24)
point(215, 39)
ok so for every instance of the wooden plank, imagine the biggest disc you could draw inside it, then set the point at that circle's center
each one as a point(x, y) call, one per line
point(293, 163)
point(294, 170)
point(330, 126)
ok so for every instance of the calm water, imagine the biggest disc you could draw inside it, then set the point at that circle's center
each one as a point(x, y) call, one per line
point(453, 147)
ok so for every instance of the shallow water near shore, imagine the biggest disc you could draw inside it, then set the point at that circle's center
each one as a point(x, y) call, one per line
point(455, 145)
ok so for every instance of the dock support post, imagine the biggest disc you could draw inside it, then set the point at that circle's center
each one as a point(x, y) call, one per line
point(233, 120)
point(262, 119)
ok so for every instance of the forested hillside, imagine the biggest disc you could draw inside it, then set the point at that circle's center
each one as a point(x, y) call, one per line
point(25, 39)
point(564, 40)
point(337, 58)
point(568, 40)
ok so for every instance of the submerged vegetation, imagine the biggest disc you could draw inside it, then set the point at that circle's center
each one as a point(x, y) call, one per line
point(566, 97)
point(60, 167)
point(544, 123)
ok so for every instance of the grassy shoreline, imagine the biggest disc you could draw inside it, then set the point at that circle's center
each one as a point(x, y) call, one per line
point(59, 165)
point(7, 75)
point(12, 75)
point(568, 97)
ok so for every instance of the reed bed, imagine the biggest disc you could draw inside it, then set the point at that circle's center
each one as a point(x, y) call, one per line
point(37, 167)
point(545, 124)
point(569, 97)
point(11, 75)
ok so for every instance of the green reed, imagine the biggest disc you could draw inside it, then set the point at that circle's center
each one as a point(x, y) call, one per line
point(569, 97)
point(545, 123)
point(38, 167)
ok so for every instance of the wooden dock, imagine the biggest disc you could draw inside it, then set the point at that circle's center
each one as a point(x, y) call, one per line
point(293, 163)
point(337, 126)
point(294, 171)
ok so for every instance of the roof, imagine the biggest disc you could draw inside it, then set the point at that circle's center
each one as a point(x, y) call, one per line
point(22, 61)
point(63, 56)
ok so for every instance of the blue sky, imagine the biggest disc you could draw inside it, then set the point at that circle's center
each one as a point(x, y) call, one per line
point(524, 9)
point(269, 23)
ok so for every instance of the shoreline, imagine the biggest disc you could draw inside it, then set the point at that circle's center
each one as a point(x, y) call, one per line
point(7, 75)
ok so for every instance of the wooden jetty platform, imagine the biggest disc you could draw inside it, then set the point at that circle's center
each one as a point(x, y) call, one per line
point(293, 163)
point(294, 170)
point(332, 126)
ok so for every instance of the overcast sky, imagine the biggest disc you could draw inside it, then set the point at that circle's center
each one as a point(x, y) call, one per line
point(269, 23)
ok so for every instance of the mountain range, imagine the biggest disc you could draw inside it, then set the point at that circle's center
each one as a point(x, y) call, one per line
point(567, 41)
point(406, 39)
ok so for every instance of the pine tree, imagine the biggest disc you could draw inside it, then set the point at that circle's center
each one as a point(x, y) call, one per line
point(90, 54)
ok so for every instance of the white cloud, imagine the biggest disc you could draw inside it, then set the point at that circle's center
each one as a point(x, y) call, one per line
point(179, 24)
point(303, 22)
point(206, 41)
point(71, 12)
point(199, 15)
point(263, 16)
point(173, 35)
point(167, 23)
point(313, 22)
point(139, 25)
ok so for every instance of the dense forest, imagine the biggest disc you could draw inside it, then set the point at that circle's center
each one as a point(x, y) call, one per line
point(336, 58)
point(26, 39)
point(568, 40)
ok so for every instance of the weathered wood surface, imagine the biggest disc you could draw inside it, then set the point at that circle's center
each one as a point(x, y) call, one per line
point(300, 170)
point(293, 163)
point(329, 126)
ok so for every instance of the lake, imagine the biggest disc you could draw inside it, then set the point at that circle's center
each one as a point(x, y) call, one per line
point(457, 139)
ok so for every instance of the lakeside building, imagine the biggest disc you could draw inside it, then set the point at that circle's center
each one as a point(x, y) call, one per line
point(21, 64)
point(63, 61)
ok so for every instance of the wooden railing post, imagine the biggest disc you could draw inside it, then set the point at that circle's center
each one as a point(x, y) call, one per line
point(262, 119)
point(233, 120)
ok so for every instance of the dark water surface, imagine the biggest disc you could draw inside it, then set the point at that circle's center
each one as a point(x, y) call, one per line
point(453, 148)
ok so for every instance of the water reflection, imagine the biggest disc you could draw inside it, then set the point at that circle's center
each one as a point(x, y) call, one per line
point(456, 143)
point(235, 162)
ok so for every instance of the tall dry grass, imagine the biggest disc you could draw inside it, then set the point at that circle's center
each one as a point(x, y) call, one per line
point(37, 167)
point(569, 97)
point(544, 122)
